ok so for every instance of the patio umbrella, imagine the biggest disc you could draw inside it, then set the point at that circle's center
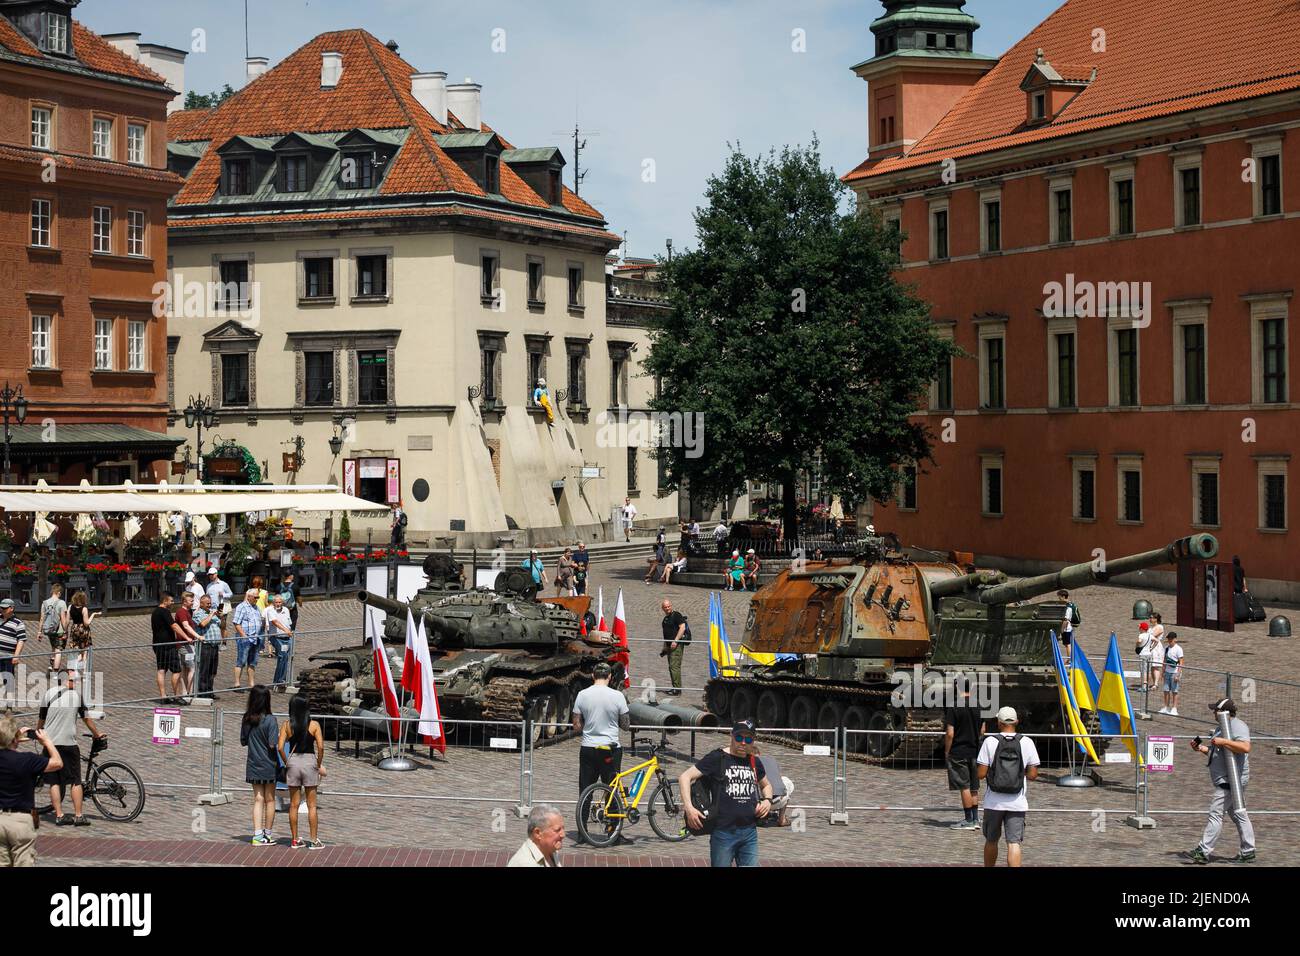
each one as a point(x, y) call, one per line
point(42, 528)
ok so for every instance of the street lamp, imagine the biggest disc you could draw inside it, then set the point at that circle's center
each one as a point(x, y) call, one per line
point(200, 413)
point(11, 399)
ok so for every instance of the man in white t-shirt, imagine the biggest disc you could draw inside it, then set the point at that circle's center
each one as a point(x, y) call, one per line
point(1173, 673)
point(1005, 807)
point(629, 516)
point(1145, 648)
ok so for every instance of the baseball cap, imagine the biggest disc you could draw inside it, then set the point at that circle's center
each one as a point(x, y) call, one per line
point(7, 602)
point(212, 570)
point(1007, 715)
point(189, 576)
point(1144, 626)
point(745, 726)
point(750, 551)
point(1225, 703)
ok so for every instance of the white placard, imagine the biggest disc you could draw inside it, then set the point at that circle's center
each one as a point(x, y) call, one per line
point(1120, 757)
point(816, 750)
point(198, 732)
point(1160, 754)
point(503, 743)
point(166, 726)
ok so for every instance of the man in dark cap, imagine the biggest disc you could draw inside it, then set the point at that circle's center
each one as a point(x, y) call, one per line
point(1220, 750)
point(741, 796)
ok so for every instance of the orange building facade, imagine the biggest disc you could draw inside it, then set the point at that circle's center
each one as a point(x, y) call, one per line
point(83, 242)
point(1107, 224)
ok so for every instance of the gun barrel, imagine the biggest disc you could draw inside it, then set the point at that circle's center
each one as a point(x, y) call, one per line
point(1199, 546)
point(381, 603)
point(966, 582)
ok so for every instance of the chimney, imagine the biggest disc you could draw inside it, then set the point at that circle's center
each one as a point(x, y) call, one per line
point(331, 69)
point(465, 100)
point(255, 66)
point(166, 61)
point(430, 91)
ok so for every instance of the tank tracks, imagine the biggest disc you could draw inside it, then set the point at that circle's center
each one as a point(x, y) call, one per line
point(910, 748)
point(507, 699)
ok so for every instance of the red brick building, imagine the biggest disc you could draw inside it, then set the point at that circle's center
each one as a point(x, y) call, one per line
point(83, 240)
point(1106, 221)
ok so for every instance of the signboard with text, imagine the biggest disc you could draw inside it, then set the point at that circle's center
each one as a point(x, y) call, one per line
point(166, 726)
point(1160, 754)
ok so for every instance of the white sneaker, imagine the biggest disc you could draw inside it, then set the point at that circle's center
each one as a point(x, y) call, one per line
point(1164, 710)
point(1173, 712)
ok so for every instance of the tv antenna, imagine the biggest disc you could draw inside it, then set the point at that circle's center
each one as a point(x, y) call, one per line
point(579, 144)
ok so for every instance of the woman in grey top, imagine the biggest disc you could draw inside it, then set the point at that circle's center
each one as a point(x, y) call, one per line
point(260, 733)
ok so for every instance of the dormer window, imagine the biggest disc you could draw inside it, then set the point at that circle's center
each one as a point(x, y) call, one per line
point(557, 189)
point(293, 177)
point(56, 33)
point(492, 174)
point(358, 171)
point(239, 180)
point(1040, 106)
point(932, 41)
point(1050, 88)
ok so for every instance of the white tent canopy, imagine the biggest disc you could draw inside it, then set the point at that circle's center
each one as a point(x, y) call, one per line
point(187, 499)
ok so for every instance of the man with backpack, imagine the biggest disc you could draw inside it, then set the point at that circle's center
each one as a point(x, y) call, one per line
point(54, 624)
point(740, 796)
point(1071, 620)
point(1007, 761)
point(677, 634)
point(398, 536)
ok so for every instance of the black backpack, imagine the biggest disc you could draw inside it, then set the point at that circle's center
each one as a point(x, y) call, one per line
point(686, 636)
point(1007, 773)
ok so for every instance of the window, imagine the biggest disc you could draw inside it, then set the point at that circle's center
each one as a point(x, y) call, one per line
point(102, 138)
point(42, 346)
point(135, 347)
point(1123, 207)
point(238, 177)
point(1130, 491)
point(1066, 393)
point(319, 378)
point(295, 174)
point(1205, 494)
point(358, 171)
point(489, 379)
point(993, 226)
point(488, 270)
point(1040, 106)
point(1270, 185)
point(536, 371)
point(318, 277)
point(632, 484)
point(234, 378)
point(894, 222)
point(942, 392)
point(536, 283)
point(372, 377)
point(491, 174)
point(42, 128)
point(907, 488)
point(1268, 333)
point(1063, 220)
point(135, 133)
point(1193, 336)
point(103, 344)
point(1126, 356)
point(102, 229)
point(950, 41)
point(1189, 188)
point(941, 234)
point(577, 380)
point(991, 486)
point(1273, 336)
point(1272, 494)
point(372, 276)
point(932, 40)
point(41, 221)
point(135, 232)
point(234, 291)
point(575, 287)
point(1085, 489)
point(56, 33)
point(993, 379)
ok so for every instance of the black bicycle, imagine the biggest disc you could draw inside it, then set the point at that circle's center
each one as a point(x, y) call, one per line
point(114, 787)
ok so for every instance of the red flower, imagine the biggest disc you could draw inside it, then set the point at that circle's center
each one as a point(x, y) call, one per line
point(97, 568)
point(153, 566)
point(61, 569)
point(120, 568)
point(24, 570)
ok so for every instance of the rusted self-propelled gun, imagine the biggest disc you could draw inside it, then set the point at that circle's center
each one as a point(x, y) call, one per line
point(878, 640)
point(498, 653)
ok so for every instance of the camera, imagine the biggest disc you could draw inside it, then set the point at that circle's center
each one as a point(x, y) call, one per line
point(31, 735)
point(1196, 743)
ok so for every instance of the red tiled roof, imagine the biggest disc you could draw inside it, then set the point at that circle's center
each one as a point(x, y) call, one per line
point(72, 161)
point(92, 51)
point(1162, 57)
point(454, 209)
point(373, 92)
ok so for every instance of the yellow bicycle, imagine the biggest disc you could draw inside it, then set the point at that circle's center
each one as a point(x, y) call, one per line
point(605, 808)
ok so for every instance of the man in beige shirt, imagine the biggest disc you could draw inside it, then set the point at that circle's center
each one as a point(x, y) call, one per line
point(545, 835)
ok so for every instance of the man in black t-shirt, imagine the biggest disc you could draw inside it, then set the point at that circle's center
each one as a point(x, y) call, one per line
point(963, 733)
point(742, 795)
point(166, 638)
point(675, 641)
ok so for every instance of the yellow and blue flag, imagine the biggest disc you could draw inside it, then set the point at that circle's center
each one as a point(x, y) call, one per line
point(1083, 679)
point(721, 663)
point(1072, 717)
point(1114, 708)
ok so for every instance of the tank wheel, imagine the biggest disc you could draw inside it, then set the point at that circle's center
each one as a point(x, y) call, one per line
point(856, 719)
point(553, 704)
point(803, 714)
point(744, 701)
point(564, 706)
point(541, 709)
point(882, 742)
point(830, 714)
point(771, 709)
point(717, 697)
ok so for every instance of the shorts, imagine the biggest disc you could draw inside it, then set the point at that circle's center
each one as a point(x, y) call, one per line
point(963, 774)
point(70, 775)
point(246, 653)
point(302, 771)
point(168, 658)
point(1066, 638)
point(187, 656)
point(57, 641)
point(1012, 820)
point(1172, 680)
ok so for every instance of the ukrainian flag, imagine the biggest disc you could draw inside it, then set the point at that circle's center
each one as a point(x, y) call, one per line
point(1083, 679)
point(1113, 705)
point(1063, 682)
point(721, 663)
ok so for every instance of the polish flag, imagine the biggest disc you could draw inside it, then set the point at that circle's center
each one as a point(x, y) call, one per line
point(417, 679)
point(384, 678)
point(600, 609)
point(620, 633)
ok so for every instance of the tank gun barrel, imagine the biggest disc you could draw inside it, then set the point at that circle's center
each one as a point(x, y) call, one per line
point(381, 603)
point(1199, 546)
point(966, 582)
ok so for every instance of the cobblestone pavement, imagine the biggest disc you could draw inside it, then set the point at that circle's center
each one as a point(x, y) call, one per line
point(467, 800)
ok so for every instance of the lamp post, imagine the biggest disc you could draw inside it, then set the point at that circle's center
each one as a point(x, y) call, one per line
point(200, 413)
point(11, 399)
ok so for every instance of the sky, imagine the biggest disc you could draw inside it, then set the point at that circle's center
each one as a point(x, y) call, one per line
point(664, 87)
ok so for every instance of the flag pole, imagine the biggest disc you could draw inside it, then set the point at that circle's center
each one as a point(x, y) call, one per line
point(1074, 778)
point(394, 761)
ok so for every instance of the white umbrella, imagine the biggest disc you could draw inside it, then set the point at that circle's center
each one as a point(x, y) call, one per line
point(201, 526)
point(42, 529)
point(83, 526)
point(131, 527)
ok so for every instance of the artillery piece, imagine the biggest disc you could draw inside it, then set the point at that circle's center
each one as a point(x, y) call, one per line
point(881, 638)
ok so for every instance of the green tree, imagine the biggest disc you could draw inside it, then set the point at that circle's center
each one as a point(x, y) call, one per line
point(205, 101)
point(789, 333)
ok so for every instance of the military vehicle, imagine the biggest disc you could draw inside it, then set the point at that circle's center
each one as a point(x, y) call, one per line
point(498, 653)
point(874, 643)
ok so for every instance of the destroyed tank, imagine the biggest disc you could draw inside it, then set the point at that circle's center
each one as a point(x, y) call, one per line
point(875, 643)
point(498, 653)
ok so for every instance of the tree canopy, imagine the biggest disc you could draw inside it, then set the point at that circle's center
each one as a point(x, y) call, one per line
point(205, 101)
point(790, 334)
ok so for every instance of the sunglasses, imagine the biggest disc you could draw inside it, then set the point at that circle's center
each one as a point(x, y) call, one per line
point(744, 740)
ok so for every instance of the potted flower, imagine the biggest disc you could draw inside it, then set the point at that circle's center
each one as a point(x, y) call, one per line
point(60, 571)
point(118, 571)
point(24, 571)
point(345, 532)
